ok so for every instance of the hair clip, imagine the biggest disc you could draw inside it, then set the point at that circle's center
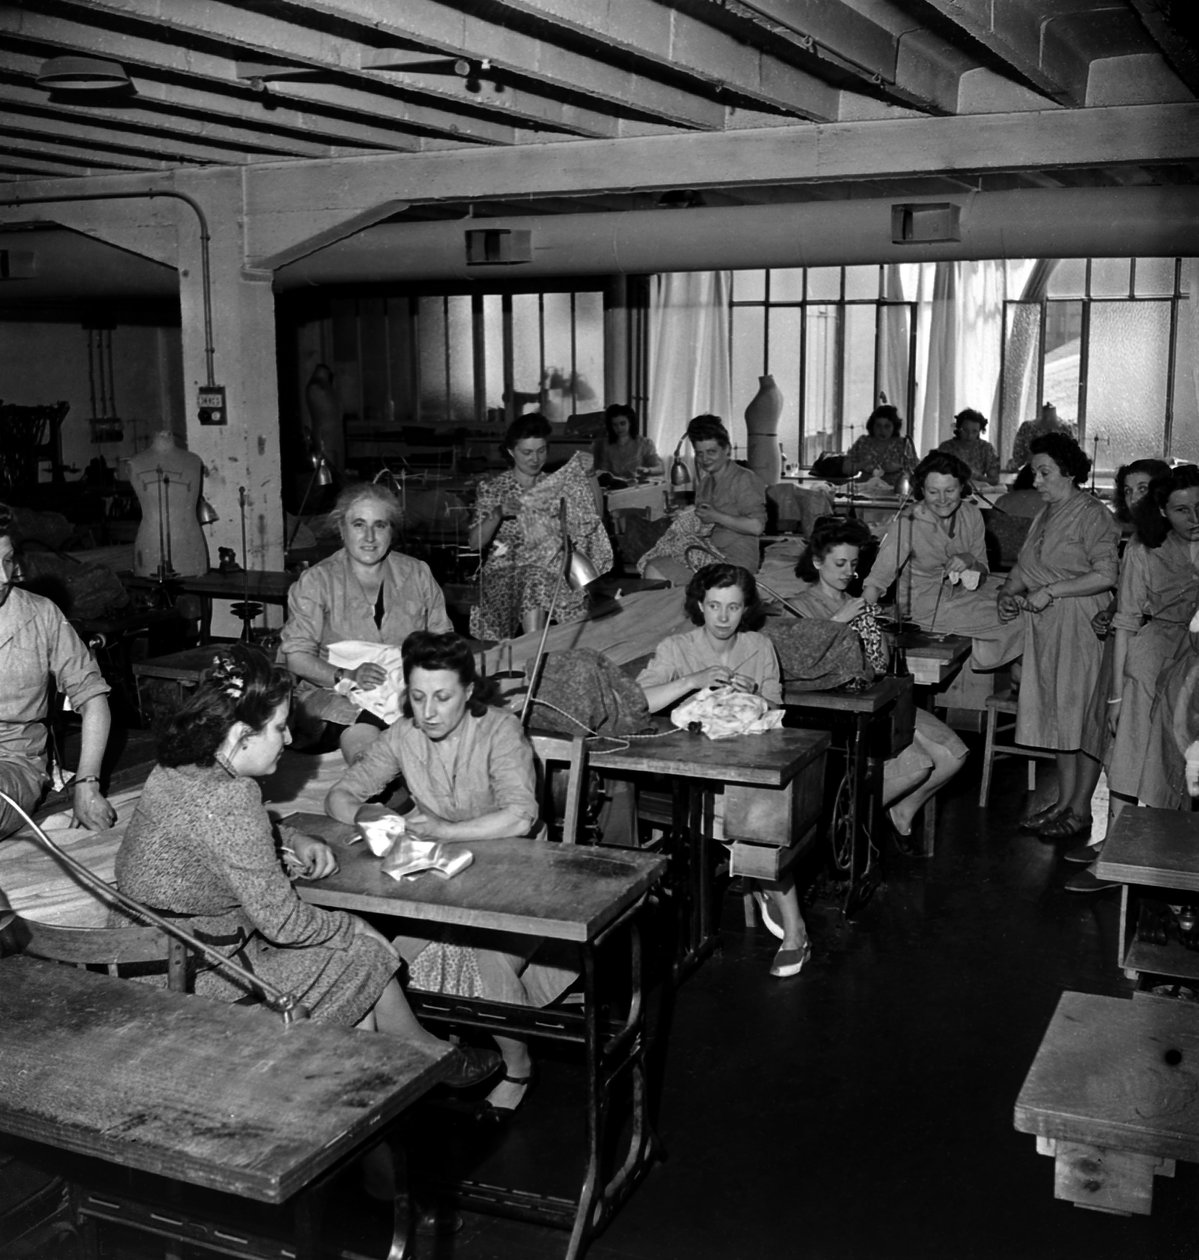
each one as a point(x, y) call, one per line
point(226, 673)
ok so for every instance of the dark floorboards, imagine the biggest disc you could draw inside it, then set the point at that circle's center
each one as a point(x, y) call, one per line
point(861, 1110)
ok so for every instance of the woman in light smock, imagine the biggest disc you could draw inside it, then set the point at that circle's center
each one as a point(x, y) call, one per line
point(1065, 569)
point(935, 754)
point(469, 769)
point(723, 601)
point(938, 551)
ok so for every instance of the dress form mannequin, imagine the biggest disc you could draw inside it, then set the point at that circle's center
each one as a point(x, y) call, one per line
point(166, 479)
point(327, 434)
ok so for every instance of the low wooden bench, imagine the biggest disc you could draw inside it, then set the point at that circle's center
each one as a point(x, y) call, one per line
point(1113, 1096)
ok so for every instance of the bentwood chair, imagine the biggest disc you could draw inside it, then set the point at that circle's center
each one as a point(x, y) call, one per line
point(116, 950)
point(563, 794)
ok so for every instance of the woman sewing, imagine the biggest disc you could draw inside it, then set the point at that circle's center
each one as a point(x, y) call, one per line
point(937, 550)
point(364, 592)
point(882, 451)
point(469, 770)
point(621, 451)
point(724, 651)
point(969, 445)
point(935, 754)
point(518, 523)
point(37, 644)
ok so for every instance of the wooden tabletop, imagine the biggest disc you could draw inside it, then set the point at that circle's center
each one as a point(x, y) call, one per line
point(1117, 1073)
point(271, 585)
point(771, 758)
point(215, 1095)
point(878, 696)
point(932, 659)
point(1156, 847)
point(533, 887)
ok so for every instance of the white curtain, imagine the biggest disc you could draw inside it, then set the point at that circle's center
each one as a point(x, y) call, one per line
point(688, 353)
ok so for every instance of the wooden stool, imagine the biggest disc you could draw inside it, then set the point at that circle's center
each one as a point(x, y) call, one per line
point(1005, 706)
point(1113, 1096)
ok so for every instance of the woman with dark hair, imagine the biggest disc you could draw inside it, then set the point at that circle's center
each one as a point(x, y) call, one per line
point(1132, 484)
point(882, 450)
point(621, 452)
point(517, 517)
point(1067, 564)
point(935, 754)
point(972, 448)
point(469, 770)
point(201, 848)
point(365, 592)
point(37, 644)
point(723, 651)
point(937, 551)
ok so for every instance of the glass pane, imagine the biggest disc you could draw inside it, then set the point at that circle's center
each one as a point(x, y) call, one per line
point(1063, 340)
point(824, 284)
point(589, 352)
point(1022, 325)
point(749, 286)
point(748, 357)
point(1110, 277)
point(1068, 279)
point(526, 352)
point(1185, 441)
point(786, 284)
point(403, 381)
point(893, 364)
point(822, 386)
point(783, 364)
point(857, 388)
point(493, 357)
point(862, 283)
point(559, 358)
point(1154, 277)
point(461, 370)
point(434, 393)
point(1126, 380)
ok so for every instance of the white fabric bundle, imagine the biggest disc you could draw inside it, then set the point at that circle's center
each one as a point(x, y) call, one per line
point(723, 712)
point(385, 700)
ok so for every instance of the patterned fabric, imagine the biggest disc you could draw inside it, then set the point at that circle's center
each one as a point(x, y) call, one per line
point(623, 460)
point(582, 691)
point(978, 455)
point(200, 847)
point(327, 604)
point(525, 558)
point(686, 531)
point(819, 655)
point(868, 453)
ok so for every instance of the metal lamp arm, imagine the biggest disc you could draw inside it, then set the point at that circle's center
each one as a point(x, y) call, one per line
point(285, 1004)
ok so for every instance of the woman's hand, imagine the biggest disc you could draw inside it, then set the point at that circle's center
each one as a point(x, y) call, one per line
point(1114, 706)
point(312, 858)
point(368, 675)
point(92, 810)
point(706, 513)
point(1039, 600)
point(713, 676)
point(424, 826)
point(510, 508)
point(371, 813)
point(962, 561)
point(1101, 622)
point(850, 609)
point(1009, 606)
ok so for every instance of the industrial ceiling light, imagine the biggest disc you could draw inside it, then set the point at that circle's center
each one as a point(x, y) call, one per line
point(82, 74)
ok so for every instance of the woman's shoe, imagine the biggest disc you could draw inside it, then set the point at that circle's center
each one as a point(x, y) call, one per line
point(790, 962)
point(1034, 822)
point(471, 1066)
point(489, 1113)
point(1067, 826)
point(1084, 854)
point(773, 926)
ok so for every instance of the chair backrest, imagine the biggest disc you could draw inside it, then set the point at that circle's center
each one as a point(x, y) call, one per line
point(559, 750)
point(112, 948)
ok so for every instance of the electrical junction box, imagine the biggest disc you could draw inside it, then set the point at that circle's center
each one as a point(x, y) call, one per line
point(212, 405)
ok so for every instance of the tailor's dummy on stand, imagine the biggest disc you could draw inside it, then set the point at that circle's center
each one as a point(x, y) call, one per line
point(326, 433)
point(167, 479)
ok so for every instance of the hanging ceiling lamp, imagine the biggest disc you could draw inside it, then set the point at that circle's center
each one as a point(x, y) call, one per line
point(82, 74)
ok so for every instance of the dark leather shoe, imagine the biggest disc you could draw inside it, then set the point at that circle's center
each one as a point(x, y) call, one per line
point(1088, 882)
point(471, 1066)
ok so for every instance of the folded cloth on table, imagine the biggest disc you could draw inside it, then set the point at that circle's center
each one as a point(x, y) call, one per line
point(385, 700)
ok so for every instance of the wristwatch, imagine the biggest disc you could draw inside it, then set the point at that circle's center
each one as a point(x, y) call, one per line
point(338, 675)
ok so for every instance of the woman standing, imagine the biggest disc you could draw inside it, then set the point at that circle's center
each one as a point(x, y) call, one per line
point(621, 452)
point(366, 592)
point(1067, 564)
point(517, 516)
point(722, 599)
point(938, 552)
point(469, 770)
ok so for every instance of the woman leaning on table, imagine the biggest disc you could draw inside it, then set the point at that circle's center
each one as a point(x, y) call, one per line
point(363, 592)
point(469, 769)
point(1065, 569)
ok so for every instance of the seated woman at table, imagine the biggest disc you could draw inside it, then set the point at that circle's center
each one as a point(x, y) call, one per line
point(364, 592)
point(621, 451)
point(518, 524)
point(37, 644)
point(937, 550)
point(935, 754)
point(969, 445)
point(201, 849)
point(469, 770)
point(882, 451)
point(723, 602)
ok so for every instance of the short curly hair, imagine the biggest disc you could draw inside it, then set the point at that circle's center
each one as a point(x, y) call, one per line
point(707, 428)
point(1149, 515)
point(945, 463)
point(829, 532)
point(425, 649)
point(1071, 459)
point(885, 412)
point(717, 577)
point(531, 425)
point(241, 685)
point(612, 411)
point(968, 415)
point(359, 493)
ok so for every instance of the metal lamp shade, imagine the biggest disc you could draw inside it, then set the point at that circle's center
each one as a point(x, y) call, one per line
point(82, 74)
